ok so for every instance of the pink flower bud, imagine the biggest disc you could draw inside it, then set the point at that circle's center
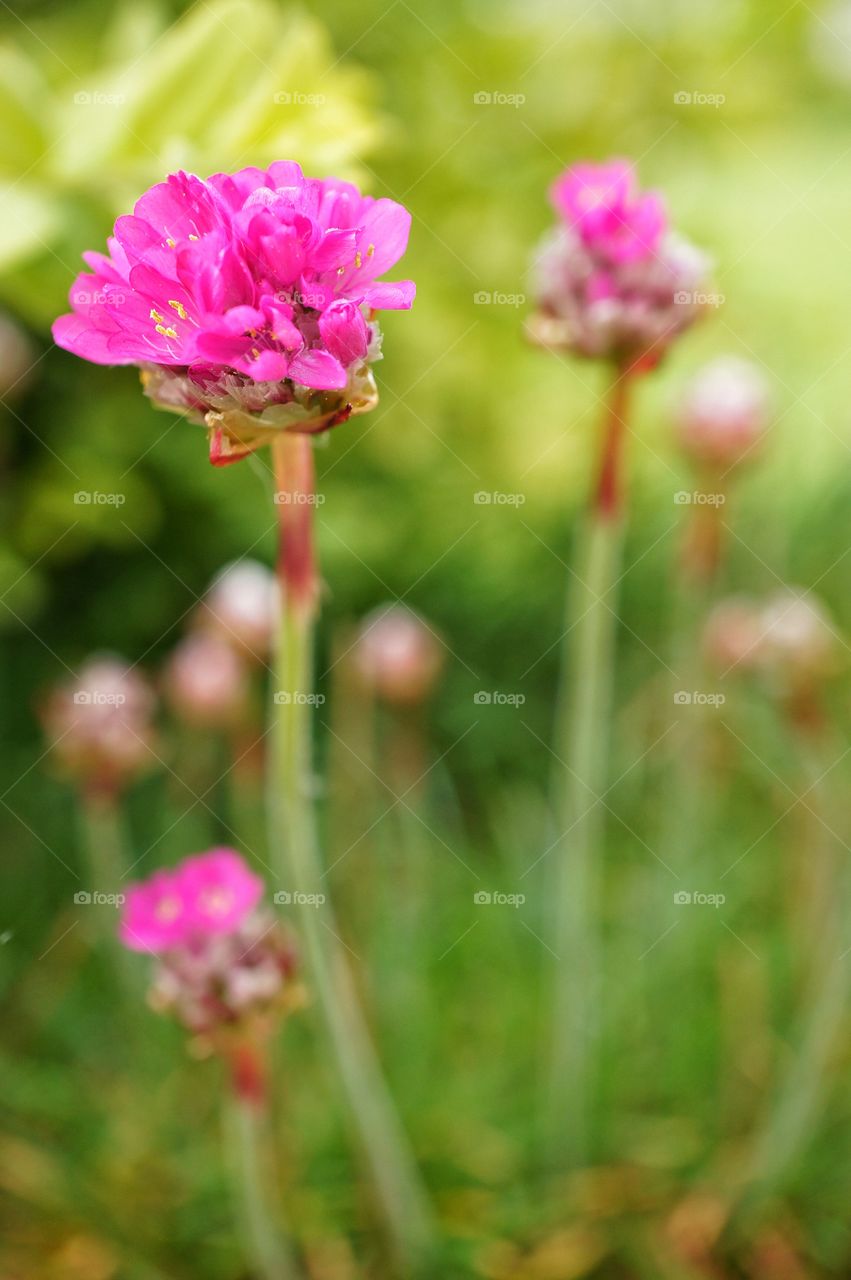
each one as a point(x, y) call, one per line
point(724, 413)
point(799, 644)
point(242, 604)
point(99, 726)
point(398, 656)
point(206, 682)
point(733, 634)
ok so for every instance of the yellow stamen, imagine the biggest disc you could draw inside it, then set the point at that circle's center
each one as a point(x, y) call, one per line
point(179, 308)
point(155, 315)
point(170, 243)
point(358, 260)
point(370, 251)
point(166, 333)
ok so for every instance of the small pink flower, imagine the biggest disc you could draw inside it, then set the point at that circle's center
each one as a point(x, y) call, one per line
point(248, 300)
point(155, 915)
point(206, 895)
point(219, 890)
point(206, 681)
point(601, 204)
point(242, 605)
point(612, 280)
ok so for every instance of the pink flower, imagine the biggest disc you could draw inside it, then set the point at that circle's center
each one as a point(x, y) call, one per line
point(398, 655)
point(206, 681)
point(600, 203)
point(242, 605)
point(206, 895)
point(248, 300)
point(724, 413)
point(612, 281)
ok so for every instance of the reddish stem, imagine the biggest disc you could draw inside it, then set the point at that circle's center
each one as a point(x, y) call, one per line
point(248, 1074)
point(295, 486)
point(608, 495)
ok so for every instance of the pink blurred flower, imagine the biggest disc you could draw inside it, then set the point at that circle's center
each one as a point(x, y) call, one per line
point(99, 726)
point(248, 300)
point(242, 603)
point(612, 280)
point(600, 203)
point(724, 412)
point(398, 655)
point(205, 895)
point(206, 681)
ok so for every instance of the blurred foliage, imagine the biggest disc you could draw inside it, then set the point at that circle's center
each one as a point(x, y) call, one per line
point(760, 179)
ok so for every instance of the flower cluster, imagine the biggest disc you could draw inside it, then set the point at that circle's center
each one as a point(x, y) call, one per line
point(221, 958)
point(612, 280)
point(248, 300)
point(99, 726)
point(789, 639)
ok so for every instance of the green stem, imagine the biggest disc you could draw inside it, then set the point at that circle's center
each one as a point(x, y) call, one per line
point(246, 1125)
point(295, 839)
point(100, 823)
point(801, 1090)
point(581, 746)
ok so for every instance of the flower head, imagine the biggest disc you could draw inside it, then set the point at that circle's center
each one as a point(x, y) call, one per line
point(398, 655)
point(207, 894)
point(724, 413)
point(222, 959)
point(206, 681)
point(612, 280)
point(99, 725)
point(247, 300)
point(242, 606)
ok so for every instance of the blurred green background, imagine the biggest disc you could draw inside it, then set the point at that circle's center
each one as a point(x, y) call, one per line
point(99, 100)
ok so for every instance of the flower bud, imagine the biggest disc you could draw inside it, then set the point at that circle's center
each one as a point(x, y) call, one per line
point(242, 604)
point(799, 645)
point(398, 656)
point(206, 682)
point(724, 412)
point(100, 725)
point(732, 635)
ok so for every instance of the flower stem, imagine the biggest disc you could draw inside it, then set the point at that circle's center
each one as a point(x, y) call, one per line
point(255, 1185)
point(581, 744)
point(801, 1090)
point(295, 840)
